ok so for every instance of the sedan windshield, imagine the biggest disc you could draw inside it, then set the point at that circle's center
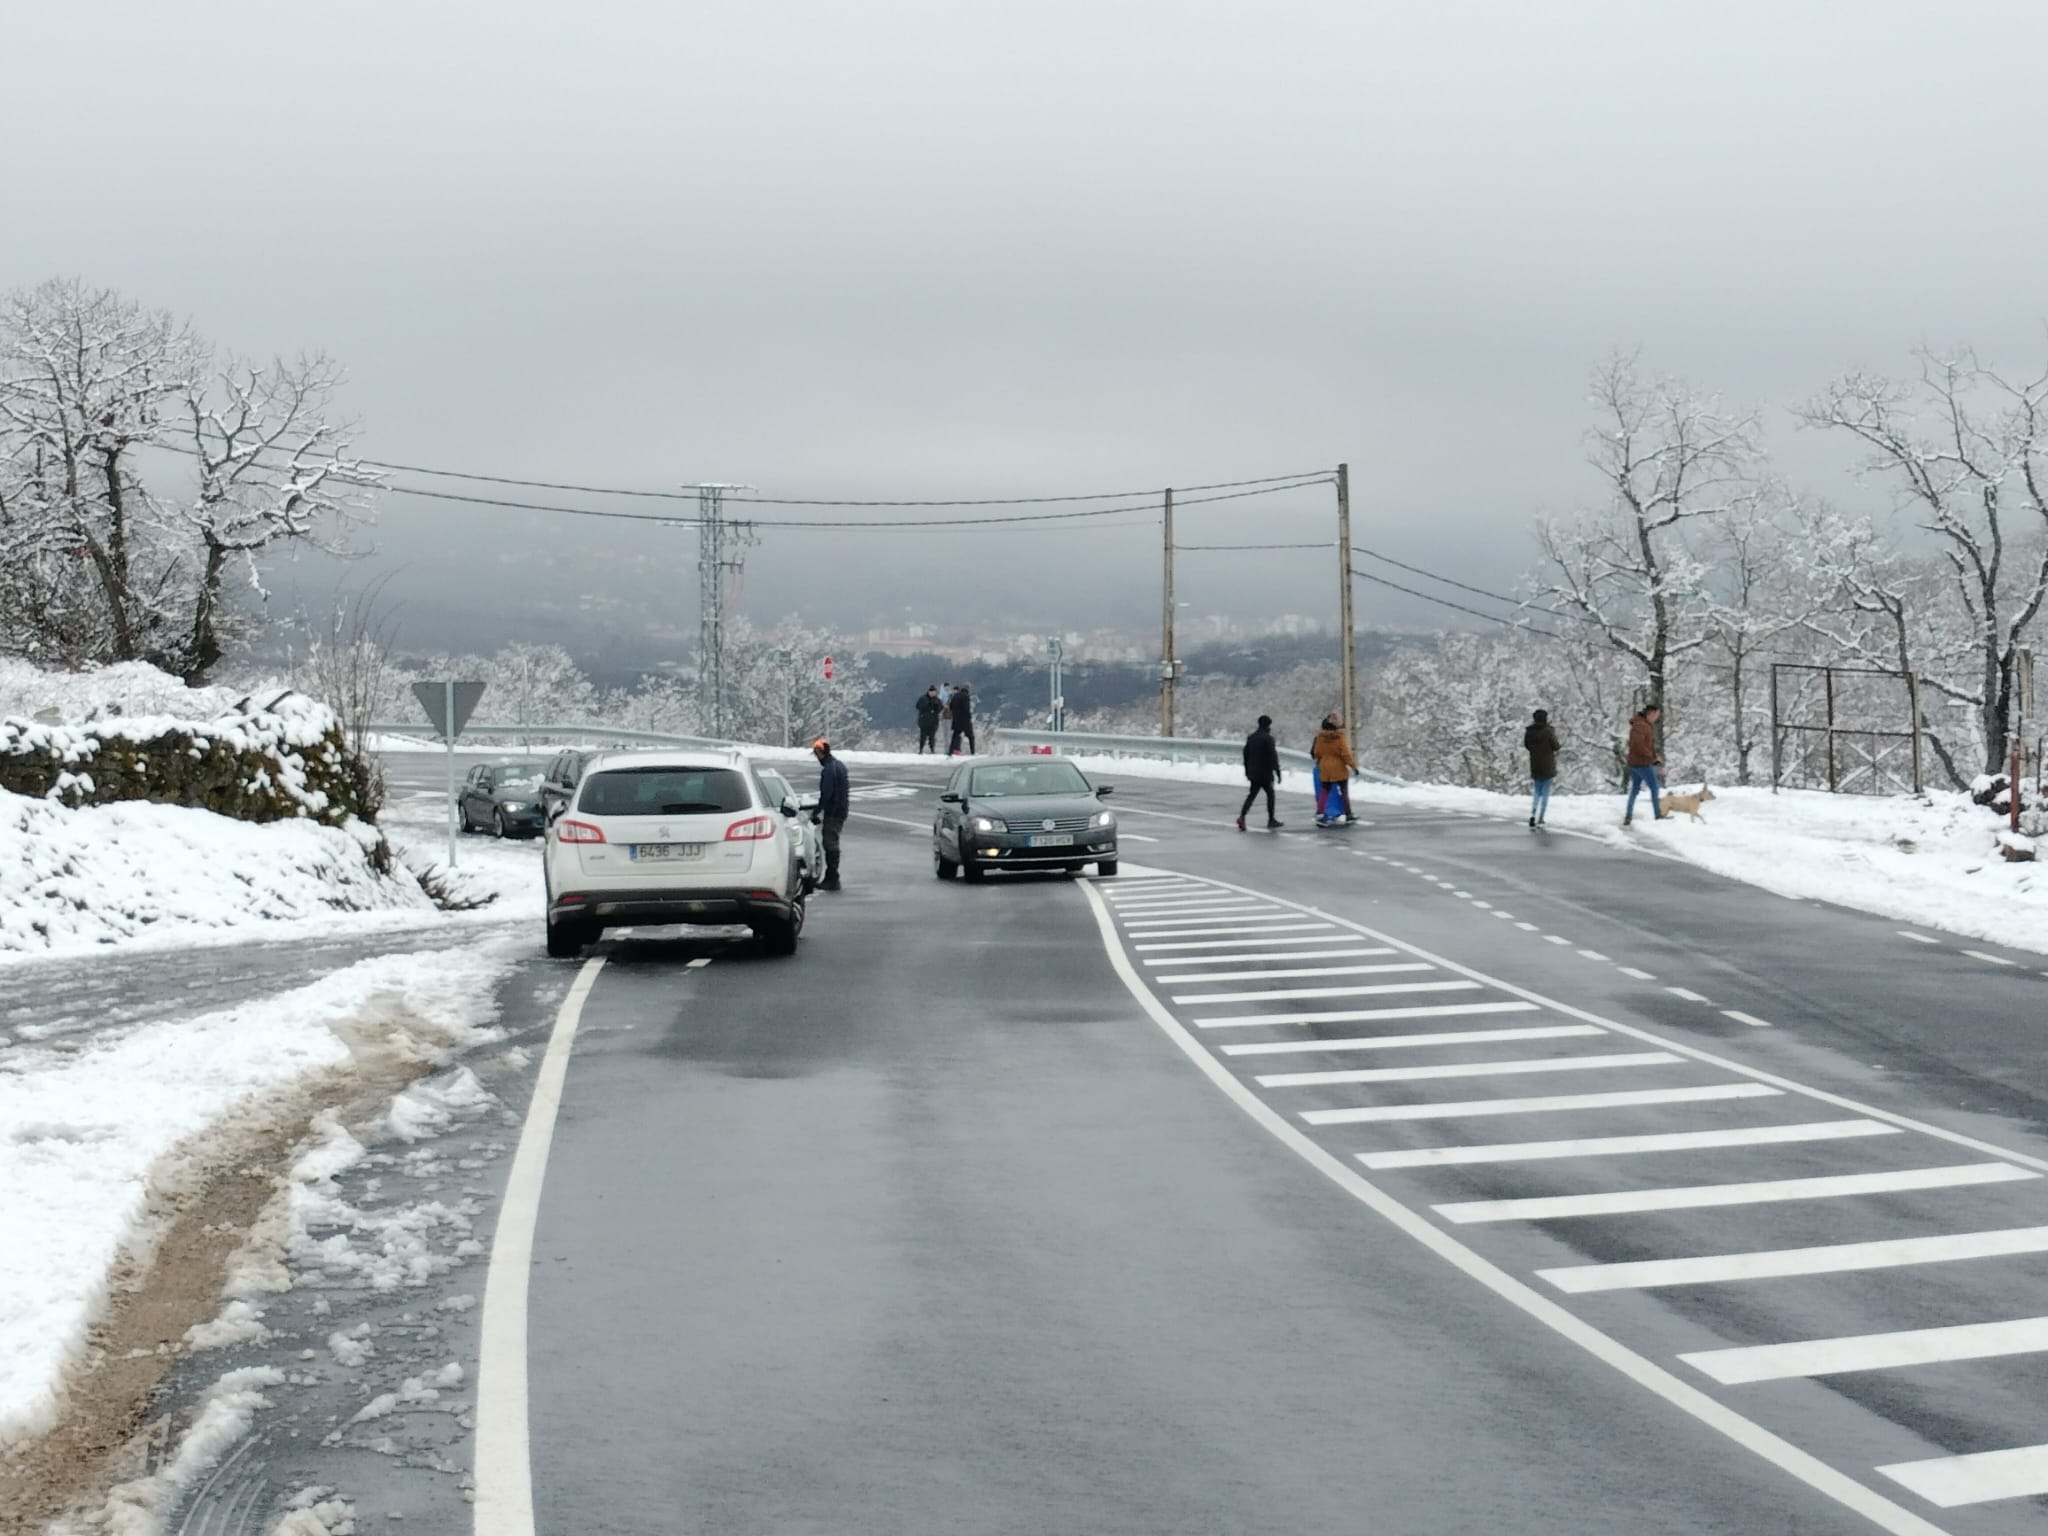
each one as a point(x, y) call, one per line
point(520, 779)
point(1054, 778)
point(663, 792)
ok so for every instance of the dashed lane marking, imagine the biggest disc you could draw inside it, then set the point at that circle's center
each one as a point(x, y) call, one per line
point(1917, 938)
point(1744, 1018)
point(1552, 938)
point(1609, 1146)
point(1689, 1197)
point(1526, 927)
point(1689, 995)
point(1593, 954)
point(1978, 954)
point(1629, 970)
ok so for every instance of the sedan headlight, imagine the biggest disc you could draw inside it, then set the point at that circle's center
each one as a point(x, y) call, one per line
point(1104, 819)
point(990, 824)
point(516, 805)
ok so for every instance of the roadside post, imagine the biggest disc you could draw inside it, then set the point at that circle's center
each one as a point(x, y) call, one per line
point(449, 705)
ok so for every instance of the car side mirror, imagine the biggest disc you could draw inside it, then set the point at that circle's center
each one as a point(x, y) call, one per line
point(952, 799)
point(1102, 791)
point(807, 802)
point(788, 808)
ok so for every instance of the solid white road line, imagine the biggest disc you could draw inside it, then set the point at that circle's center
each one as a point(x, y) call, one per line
point(1952, 1481)
point(504, 1459)
point(1137, 909)
point(1917, 938)
point(1543, 1105)
point(1871, 1351)
point(1629, 970)
point(1692, 1197)
point(1306, 954)
point(1604, 1146)
point(1467, 1069)
point(1777, 1263)
point(1744, 1018)
point(1690, 997)
point(1392, 1042)
point(1147, 886)
point(1291, 974)
point(1279, 922)
point(1368, 1015)
point(1339, 1016)
point(1809, 1469)
point(1282, 994)
point(1334, 938)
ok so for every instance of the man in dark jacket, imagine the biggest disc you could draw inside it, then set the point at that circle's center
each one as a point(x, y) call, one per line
point(963, 722)
point(1540, 742)
point(1643, 762)
point(929, 708)
point(835, 796)
point(1261, 771)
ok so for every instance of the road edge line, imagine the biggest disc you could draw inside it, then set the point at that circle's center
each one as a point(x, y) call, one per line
point(1825, 1480)
point(503, 1464)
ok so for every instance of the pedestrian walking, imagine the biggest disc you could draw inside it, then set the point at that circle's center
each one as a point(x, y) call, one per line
point(929, 708)
point(1262, 772)
point(1643, 762)
point(1335, 765)
point(1540, 742)
point(835, 795)
point(963, 721)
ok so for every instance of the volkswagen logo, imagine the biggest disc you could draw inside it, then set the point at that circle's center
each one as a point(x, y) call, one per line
point(1050, 823)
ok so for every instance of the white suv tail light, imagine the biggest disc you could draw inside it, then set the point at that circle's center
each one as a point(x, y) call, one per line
point(570, 831)
point(752, 830)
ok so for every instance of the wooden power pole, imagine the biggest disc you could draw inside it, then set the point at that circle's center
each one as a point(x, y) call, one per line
point(1167, 665)
point(1348, 638)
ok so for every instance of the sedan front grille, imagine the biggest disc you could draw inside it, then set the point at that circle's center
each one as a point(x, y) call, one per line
point(1053, 824)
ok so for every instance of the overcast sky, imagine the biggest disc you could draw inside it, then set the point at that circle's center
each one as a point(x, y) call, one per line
point(958, 248)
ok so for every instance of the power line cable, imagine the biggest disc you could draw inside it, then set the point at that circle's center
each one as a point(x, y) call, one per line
point(1183, 548)
point(1498, 597)
point(1445, 602)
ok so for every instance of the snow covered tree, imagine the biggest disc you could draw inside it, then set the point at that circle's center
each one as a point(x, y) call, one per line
point(135, 468)
point(1672, 463)
point(779, 692)
point(1967, 451)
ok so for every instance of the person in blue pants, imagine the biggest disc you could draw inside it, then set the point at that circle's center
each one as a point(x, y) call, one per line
point(1643, 762)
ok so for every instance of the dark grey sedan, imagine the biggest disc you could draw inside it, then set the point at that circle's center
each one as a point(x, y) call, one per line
point(1022, 814)
point(502, 797)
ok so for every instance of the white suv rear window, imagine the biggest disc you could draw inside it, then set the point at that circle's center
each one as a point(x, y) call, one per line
point(664, 792)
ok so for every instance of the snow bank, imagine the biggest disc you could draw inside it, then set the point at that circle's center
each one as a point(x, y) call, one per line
point(79, 879)
point(85, 1140)
point(128, 688)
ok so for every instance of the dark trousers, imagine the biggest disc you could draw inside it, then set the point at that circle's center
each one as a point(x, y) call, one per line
point(833, 826)
point(928, 737)
point(1259, 787)
point(962, 733)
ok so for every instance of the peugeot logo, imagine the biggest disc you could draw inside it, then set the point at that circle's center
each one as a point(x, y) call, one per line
point(1050, 823)
point(666, 833)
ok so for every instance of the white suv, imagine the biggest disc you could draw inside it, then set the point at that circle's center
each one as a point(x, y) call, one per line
point(672, 837)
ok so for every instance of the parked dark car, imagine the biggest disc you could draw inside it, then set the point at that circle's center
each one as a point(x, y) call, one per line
point(504, 798)
point(564, 772)
point(1022, 814)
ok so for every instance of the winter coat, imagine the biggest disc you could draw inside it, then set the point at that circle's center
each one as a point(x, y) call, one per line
point(835, 794)
point(1642, 742)
point(962, 711)
point(929, 707)
point(1261, 757)
point(1332, 752)
point(1540, 742)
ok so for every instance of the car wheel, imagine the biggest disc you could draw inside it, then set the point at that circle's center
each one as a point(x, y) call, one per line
point(462, 816)
point(944, 867)
point(567, 941)
point(779, 935)
point(971, 870)
point(1105, 867)
point(498, 824)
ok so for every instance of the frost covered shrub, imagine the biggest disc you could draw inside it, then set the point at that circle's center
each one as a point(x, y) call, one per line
point(281, 758)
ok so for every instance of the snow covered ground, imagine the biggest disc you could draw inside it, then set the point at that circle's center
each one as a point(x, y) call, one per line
point(94, 1137)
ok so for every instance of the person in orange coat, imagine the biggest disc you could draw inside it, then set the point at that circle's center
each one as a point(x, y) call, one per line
point(1335, 765)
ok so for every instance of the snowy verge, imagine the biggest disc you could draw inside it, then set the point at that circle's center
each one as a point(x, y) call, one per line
point(92, 1141)
point(80, 879)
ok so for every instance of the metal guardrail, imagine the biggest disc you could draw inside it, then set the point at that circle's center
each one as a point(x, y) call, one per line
point(551, 734)
point(1174, 749)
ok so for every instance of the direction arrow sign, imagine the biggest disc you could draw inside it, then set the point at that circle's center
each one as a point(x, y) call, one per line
point(437, 699)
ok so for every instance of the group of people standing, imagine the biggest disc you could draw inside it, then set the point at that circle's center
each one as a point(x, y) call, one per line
point(946, 703)
point(1335, 766)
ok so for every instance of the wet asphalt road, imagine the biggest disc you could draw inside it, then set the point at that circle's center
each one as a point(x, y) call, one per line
point(933, 1229)
point(936, 1228)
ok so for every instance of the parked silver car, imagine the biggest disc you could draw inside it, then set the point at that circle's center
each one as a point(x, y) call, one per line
point(810, 842)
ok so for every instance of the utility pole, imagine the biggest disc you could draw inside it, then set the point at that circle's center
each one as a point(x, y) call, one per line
point(1348, 636)
point(1167, 665)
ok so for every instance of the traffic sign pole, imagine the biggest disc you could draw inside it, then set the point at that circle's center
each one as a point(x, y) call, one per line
point(449, 737)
